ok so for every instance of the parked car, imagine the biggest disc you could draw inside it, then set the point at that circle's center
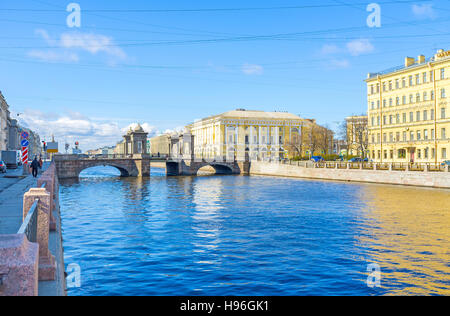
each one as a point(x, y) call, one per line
point(446, 163)
point(2, 167)
point(355, 160)
point(317, 159)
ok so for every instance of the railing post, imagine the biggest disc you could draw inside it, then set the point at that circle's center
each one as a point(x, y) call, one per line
point(47, 264)
point(446, 168)
point(19, 262)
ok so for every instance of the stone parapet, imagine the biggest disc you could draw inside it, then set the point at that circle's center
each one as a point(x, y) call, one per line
point(19, 264)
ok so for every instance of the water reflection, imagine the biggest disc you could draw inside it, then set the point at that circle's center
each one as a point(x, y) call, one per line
point(407, 232)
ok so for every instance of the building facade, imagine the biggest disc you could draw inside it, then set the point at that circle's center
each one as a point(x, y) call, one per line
point(4, 123)
point(357, 135)
point(408, 111)
point(243, 134)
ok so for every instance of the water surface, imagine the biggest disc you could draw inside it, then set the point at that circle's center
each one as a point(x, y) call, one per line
point(234, 235)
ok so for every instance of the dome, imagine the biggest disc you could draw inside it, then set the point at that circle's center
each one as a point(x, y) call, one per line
point(139, 129)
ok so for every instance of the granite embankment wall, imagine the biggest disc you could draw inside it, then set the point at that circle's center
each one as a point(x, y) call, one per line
point(433, 179)
point(31, 260)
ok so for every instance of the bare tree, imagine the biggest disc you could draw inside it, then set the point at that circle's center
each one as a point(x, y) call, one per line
point(358, 134)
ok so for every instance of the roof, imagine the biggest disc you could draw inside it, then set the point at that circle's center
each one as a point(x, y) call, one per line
point(244, 114)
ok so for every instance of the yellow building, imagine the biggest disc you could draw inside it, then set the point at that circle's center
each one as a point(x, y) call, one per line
point(408, 111)
point(241, 134)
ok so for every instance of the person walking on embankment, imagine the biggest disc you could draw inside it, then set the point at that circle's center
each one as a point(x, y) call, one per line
point(34, 167)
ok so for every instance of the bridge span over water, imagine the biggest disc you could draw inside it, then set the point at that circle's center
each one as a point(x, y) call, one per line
point(138, 165)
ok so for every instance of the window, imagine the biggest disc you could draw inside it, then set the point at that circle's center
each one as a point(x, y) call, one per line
point(384, 120)
point(443, 136)
point(401, 153)
point(404, 137)
point(385, 154)
point(390, 102)
point(418, 116)
point(411, 116)
point(404, 100)
point(373, 121)
point(378, 104)
point(442, 113)
point(443, 93)
point(432, 134)
point(397, 138)
point(432, 114)
point(419, 135)
point(397, 101)
point(417, 79)
point(390, 85)
point(391, 119)
point(442, 73)
point(425, 96)
point(418, 97)
point(410, 81)
point(391, 137)
point(419, 154)
point(372, 90)
point(247, 139)
point(411, 136)
point(411, 98)
point(392, 154)
point(426, 152)
point(433, 153)
point(373, 105)
point(403, 82)
point(384, 86)
point(373, 139)
point(378, 87)
point(425, 134)
point(378, 121)
point(404, 117)
point(384, 138)
point(431, 76)
point(378, 138)
point(397, 84)
point(384, 103)
point(397, 119)
point(424, 77)
point(444, 153)
point(432, 95)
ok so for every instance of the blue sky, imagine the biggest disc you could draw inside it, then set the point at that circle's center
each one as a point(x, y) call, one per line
point(165, 64)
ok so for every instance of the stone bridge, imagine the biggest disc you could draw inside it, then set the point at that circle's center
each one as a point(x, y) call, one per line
point(70, 166)
point(188, 167)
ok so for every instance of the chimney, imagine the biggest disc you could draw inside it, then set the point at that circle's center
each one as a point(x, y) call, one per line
point(421, 59)
point(409, 61)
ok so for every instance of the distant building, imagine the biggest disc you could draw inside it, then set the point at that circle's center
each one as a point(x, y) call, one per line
point(160, 145)
point(4, 123)
point(243, 133)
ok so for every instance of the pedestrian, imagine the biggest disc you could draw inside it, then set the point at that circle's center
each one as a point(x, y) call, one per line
point(34, 167)
point(41, 163)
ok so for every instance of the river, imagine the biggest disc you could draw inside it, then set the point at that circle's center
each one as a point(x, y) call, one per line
point(236, 235)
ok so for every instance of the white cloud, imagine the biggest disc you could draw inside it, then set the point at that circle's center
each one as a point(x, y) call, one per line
point(69, 44)
point(73, 126)
point(423, 10)
point(92, 43)
point(330, 49)
point(52, 56)
point(250, 69)
point(359, 47)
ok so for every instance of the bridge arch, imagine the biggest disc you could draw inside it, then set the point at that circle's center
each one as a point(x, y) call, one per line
point(125, 171)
